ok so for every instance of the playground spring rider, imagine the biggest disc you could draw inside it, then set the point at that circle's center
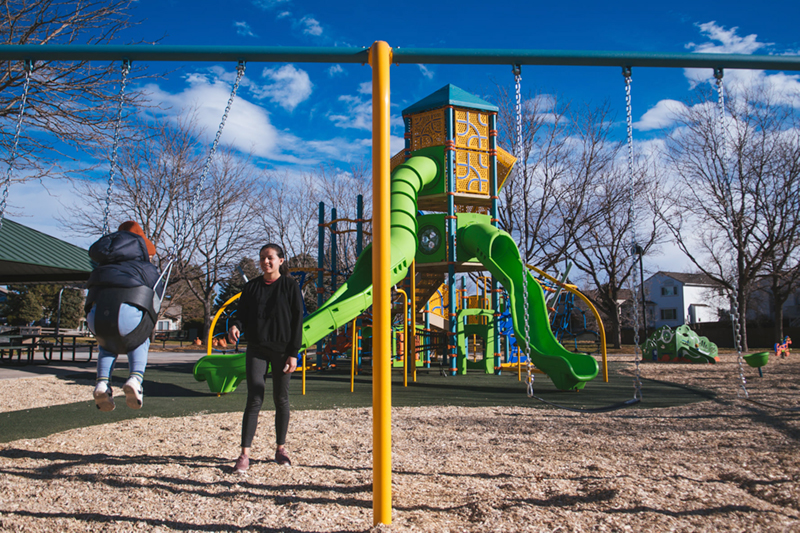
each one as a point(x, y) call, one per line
point(782, 349)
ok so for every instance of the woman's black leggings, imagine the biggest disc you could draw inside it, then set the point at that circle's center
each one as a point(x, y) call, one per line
point(258, 359)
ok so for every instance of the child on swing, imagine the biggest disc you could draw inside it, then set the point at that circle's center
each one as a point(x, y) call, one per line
point(121, 309)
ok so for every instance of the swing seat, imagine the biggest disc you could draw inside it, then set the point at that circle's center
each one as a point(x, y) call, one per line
point(107, 302)
point(757, 360)
point(222, 372)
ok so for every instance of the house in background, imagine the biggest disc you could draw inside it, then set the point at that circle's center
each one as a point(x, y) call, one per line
point(171, 319)
point(679, 299)
point(761, 306)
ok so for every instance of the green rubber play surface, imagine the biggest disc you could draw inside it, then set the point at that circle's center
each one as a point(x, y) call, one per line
point(171, 391)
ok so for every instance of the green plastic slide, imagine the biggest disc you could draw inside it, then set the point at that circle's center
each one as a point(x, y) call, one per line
point(355, 295)
point(499, 254)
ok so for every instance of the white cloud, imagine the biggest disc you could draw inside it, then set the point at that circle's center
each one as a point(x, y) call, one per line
point(312, 26)
point(426, 72)
point(36, 204)
point(243, 28)
point(335, 70)
point(782, 87)
point(341, 149)
point(290, 86)
point(396, 144)
point(662, 115)
point(248, 127)
point(283, 15)
point(726, 41)
point(721, 41)
point(365, 88)
point(358, 114)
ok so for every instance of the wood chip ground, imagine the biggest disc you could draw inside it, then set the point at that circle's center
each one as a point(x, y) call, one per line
point(719, 465)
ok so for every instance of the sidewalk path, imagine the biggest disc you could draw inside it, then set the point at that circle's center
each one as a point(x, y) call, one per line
point(60, 368)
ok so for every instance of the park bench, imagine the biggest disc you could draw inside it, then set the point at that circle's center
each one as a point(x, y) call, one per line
point(11, 345)
point(173, 335)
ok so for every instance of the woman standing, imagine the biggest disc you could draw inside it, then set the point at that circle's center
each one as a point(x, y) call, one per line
point(270, 314)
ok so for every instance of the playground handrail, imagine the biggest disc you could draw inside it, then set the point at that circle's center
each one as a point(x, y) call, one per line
point(576, 292)
point(216, 318)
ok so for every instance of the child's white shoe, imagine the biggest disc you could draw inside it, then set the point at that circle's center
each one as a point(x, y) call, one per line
point(104, 396)
point(133, 393)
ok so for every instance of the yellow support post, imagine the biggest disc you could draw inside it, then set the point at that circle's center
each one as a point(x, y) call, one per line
point(414, 316)
point(380, 59)
point(405, 336)
point(353, 356)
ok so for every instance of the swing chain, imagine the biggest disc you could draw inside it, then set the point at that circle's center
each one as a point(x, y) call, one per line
point(517, 70)
point(126, 68)
point(180, 237)
point(637, 382)
point(735, 316)
point(28, 67)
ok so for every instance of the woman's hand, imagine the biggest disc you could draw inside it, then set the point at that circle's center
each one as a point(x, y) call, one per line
point(291, 365)
point(233, 335)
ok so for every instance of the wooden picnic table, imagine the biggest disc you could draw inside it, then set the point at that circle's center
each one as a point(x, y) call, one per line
point(11, 345)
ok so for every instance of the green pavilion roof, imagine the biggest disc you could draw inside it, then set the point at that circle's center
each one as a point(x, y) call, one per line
point(30, 256)
point(450, 95)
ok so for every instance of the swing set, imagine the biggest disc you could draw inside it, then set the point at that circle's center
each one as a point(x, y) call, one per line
point(380, 56)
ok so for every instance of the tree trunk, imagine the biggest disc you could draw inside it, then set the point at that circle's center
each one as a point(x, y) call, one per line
point(207, 333)
point(779, 320)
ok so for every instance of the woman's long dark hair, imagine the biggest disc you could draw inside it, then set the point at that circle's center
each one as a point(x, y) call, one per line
point(284, 268)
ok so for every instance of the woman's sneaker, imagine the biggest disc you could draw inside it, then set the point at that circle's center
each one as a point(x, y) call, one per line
point(282, 458)
point(242, 464)
point(133, 393)
point(104, 396)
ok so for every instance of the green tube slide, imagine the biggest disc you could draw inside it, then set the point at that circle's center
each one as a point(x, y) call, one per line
point(499, 254)
point(355, 295)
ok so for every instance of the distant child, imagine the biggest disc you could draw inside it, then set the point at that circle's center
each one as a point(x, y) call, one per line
point(122, 308)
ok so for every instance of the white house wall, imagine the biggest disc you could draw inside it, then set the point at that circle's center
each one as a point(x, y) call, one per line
point(653, 293)
point(706, 301)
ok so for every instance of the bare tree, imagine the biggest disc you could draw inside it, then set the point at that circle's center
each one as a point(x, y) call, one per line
point(569, 197)
point(722, 206)
point(531, 195)
point(222, 228)
point(158, 178)
point(781, 192)
point(70, 102)
point(601, 246)
point(287, 212)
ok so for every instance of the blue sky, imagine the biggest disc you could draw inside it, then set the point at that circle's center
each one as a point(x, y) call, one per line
point(297, 116)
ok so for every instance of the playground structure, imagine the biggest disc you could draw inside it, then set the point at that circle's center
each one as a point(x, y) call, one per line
point(452, 168)
point(388, 264)
point(681, 345)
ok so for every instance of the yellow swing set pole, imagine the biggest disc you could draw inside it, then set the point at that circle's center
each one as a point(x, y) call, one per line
point(380, 59)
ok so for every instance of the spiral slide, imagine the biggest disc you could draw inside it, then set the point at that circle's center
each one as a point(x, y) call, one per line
point(498, 252)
